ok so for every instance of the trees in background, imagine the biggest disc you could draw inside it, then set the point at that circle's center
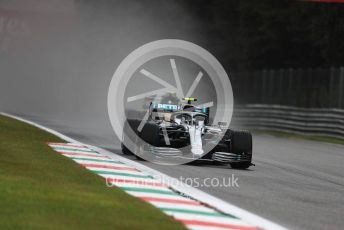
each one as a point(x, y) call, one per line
point(262, 34)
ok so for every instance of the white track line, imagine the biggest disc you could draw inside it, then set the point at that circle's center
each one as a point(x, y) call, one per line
point(217, 203)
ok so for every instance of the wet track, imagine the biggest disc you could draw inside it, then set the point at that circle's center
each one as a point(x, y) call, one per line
point(298, 184)
point(56, 69)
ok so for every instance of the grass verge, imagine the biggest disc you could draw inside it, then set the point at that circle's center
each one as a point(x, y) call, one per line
point(40, 189)
point(299, 136)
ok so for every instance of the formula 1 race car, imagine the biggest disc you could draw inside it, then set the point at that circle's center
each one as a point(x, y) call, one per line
point(172, 130)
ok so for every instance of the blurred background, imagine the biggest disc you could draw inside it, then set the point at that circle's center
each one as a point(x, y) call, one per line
point(285, 58)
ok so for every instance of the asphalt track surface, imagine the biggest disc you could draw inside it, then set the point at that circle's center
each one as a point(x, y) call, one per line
point(57, 68)
point(296, 183)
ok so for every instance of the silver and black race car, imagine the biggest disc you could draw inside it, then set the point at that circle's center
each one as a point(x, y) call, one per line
point(183, 132)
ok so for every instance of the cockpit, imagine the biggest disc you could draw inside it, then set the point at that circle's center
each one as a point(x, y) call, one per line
point(189, 118)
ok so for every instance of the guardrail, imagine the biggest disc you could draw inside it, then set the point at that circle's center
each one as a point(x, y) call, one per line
point(309, 121)
point(309, 88)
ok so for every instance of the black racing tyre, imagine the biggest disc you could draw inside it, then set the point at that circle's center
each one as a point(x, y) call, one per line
point(139, 158)
point(139, 151)
point(241, 165)
point(150, 133)
point(133, 124)
point(241, 143)
point(127, 124)
point(125, 150)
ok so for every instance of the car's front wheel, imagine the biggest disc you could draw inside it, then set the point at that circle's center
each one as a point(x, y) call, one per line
point(125, 150)
point(241, 165)
point(241, 143)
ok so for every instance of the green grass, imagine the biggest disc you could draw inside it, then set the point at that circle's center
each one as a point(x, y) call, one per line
point(40, 189)
point(299, 136)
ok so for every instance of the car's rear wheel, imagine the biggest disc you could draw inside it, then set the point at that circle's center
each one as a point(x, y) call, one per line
point(130, 123)
point(241, 143)
point(140, 150)
point(125, 150)
point(150, 133)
